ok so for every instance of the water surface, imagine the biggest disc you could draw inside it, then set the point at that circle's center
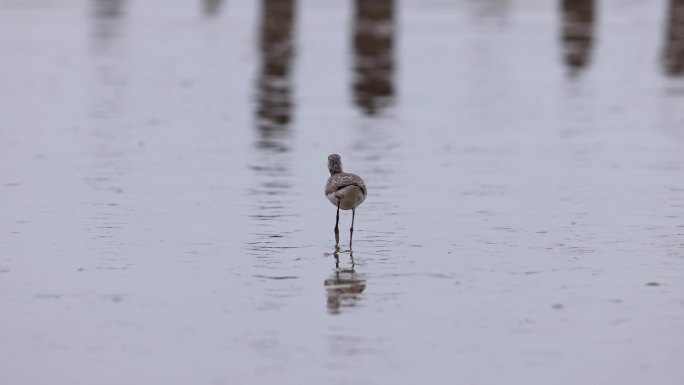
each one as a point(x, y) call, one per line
point(162, 171)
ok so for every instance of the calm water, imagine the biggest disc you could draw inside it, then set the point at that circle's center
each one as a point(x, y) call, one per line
point(163, 217)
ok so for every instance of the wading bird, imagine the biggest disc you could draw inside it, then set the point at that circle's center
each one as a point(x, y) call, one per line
point(344, 190)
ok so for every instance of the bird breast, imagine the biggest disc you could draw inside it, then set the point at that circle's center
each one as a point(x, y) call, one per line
point(350, 197)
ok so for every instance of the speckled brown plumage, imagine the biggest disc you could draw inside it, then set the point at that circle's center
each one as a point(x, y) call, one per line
point(339, 179)
point(343, 179)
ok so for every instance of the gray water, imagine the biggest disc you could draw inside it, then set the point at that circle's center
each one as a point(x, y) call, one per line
point(163, 220)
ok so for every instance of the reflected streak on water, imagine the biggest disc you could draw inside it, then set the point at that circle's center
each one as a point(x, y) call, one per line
point(273, 117)
point(490, 10)
point(373, 42)
point(673, 53)
point(107, 17)
point(109, 154)
point(274, 85)
point(108, 21)
point(578, 33)
point(212, 8)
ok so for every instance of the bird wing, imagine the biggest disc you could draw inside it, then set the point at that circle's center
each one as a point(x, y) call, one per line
point(342, 180)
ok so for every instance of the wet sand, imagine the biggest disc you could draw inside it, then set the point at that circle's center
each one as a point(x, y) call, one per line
point(162, 173)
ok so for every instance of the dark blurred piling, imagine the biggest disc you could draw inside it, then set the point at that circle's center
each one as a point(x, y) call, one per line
point(673, 53)
point(274, 83)
point(373, 42)
point(577, 33)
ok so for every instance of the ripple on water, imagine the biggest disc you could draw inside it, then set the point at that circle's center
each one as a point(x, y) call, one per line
point(344, 287)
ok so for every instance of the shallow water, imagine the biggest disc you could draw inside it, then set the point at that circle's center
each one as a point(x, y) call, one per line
point(162, 173)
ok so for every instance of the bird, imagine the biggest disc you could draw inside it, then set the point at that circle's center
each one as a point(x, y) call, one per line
point(344, 190)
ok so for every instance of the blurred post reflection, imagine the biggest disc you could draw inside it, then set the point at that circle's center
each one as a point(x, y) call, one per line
point(107, 16)
point(108, 9)
point(673, 54)
point(578, 33)
point(344, 286)
point(274, 95)
point(374, 27)
point(273, 115)
point(108, 140)
point(212, 7)
point(490, 9)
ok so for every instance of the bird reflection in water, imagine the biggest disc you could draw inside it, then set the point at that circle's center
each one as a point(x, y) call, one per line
point(578, 33)
point(673, 55)
point(373, 54)
point(344, 286)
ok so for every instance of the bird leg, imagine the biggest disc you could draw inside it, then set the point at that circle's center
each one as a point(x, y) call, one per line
point(337, 221)
point(351, 229)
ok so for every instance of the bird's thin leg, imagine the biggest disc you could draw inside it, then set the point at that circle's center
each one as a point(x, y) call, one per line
point(337, 221)
point(351, 229)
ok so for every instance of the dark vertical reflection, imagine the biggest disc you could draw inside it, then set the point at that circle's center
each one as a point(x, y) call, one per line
point(490, 9)
point(374, 27)
point(107, 16)
point(108, 9)
point(110, 140)
point(344, 286)
point(271, 193)
point(212, 7)
point(673, 54)
point(578, 33)
point(274, 85)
